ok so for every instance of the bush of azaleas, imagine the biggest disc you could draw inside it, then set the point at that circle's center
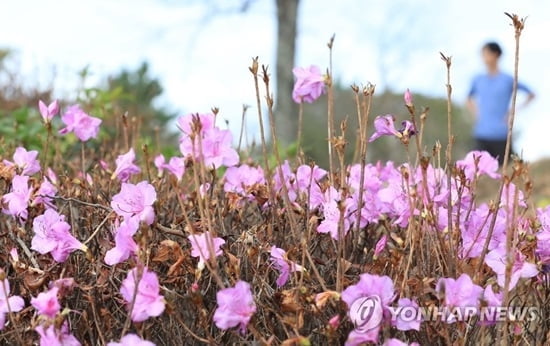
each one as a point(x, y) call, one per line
point(208, 247)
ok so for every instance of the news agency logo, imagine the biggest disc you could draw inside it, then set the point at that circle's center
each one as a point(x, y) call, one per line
point(366, 313)
point(486, 314)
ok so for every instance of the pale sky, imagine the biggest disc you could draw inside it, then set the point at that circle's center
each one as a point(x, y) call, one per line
point(203, 60)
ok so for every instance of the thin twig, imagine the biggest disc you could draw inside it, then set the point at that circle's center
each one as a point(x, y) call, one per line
point(71, 199)
point(518, 24)
point(330, 107)
point(448, 159)
point(94, 233)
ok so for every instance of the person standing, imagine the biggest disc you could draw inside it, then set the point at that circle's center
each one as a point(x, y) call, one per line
point(489, 100)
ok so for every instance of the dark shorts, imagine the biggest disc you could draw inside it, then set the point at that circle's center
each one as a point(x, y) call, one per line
point(496, 148)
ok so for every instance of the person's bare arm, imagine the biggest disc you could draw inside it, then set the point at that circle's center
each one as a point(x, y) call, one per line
point(528, 100)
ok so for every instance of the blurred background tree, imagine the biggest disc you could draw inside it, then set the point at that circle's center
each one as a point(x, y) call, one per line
point(286, 110)
point(20, 123)
point(134, 92)
point(138, 96)
point(287, 32)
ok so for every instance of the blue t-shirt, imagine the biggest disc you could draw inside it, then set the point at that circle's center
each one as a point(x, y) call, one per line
point(492, 94)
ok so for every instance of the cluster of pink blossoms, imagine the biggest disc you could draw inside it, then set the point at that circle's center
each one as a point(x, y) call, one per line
point(125, 245)
point(381, 193)
point(22, 195)
point(133, 204)
point(141, 291)
point(48, 307)
point(241, 179)
point(176, 166)
point(457, 294)
point(25, 162)
point(203, 141)
point(80, 123)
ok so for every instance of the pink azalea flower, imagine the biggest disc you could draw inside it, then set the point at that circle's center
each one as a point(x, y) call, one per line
point(309, 85)
point(475, 229)
point(331, 212)
point(52, 337)
point(235, 307)
point(51, 235)
point(407, 97)
point(307, 175)
point(104, 165)
point(186, 124)
point(371, 178)
point(384, 125)
point(307, 182)
point(496, 259)
point(407, 129)
point(240, 179)
point(410, 323)
point(203, 189)
point(543, 236)
point(51, 176)
point(201, 244)
point(148, 301)
point(135, 200)
point(397, 342)
point(83, 125)
point(14, 255)
point(63, 283)
point(289, 180)
point(216, 148)
point(509, 192)
point(47, 303)
point(88, 178)
point(369, 286)
point(283, 265)
point(131, 340)
point(478, 163)
point(24, 161)
point(459, 293)
point(395, 203)
point(7, 303)
point(492, 300)
point(49, 111)
point(334, 322)
point(380, 245)
point(19, 197)
point(125, 166)
point(124, 243)
point(370, 212)
point(45, 194)
point(159, 163)
point(176, 166)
